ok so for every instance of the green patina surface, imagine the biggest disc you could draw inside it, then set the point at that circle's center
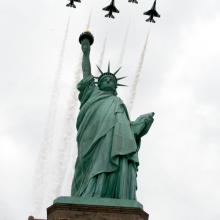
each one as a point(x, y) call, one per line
point(99, 202)
point(108, 141)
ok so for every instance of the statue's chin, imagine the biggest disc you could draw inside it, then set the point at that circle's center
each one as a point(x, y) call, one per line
point(107, 89)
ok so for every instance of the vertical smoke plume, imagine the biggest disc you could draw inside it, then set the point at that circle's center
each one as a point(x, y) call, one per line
point(101, 58)
point(89, 21)
point(137, 76)
point(66, 154)
point(47, 145)
point(67, 148)
point(122, 53)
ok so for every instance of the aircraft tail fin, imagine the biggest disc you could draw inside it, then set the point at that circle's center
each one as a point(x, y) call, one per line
point(71, 5)
point(151, 20)
point(109, 15)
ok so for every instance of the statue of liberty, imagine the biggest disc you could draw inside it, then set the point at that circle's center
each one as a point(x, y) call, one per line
point(108, 142)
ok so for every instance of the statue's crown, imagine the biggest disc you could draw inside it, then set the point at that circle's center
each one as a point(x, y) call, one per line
point(108, 73)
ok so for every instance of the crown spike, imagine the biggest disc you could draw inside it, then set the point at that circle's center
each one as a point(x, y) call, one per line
point(99, 69)
point(117, 71)
point(121, 78)
point(120, 84)
point(108, 66)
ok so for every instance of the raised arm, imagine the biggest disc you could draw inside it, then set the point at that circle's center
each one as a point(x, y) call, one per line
point(86, 66)
point(86, 39)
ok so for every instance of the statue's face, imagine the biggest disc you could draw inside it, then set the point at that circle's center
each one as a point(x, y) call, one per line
point(107, 83)
point(85, 45)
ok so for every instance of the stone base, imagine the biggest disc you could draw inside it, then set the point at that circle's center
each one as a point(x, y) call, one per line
point(64, 211)
point(32, 218)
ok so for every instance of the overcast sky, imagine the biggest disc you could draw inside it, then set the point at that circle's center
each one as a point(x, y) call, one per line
point(179, 173)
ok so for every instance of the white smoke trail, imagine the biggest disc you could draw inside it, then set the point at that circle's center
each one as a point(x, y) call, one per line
point(101, 58)
point(69, 140)
point(66, 153)
point(89, 21)
point(47, 146)
point(122, 53)
point(137, 76)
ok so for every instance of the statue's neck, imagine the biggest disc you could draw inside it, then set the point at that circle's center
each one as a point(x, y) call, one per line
point(112, 92)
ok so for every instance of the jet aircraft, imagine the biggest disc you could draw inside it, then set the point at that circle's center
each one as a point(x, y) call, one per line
point(111, 8)
point(152, 13)
point(133, 1)
point(71, 4)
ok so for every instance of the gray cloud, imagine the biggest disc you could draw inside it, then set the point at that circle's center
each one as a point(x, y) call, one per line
point(179, 171)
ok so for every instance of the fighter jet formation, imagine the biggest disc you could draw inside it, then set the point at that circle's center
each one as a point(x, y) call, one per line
point(111, 8)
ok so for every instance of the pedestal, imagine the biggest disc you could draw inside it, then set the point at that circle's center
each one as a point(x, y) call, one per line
point(69, 208)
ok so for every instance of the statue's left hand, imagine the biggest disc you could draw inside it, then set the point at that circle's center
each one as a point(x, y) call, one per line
point(142, 124)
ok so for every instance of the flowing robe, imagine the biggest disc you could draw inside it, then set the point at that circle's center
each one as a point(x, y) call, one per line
point(107, 159)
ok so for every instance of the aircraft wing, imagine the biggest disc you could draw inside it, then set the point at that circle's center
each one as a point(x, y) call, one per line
point(152, 12)
point(114, 9)
point(111, 8)
point(148, 12)
point(108, 8)
point(155, 14)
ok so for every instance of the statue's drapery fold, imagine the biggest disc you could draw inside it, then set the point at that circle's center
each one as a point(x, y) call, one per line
point(107, 150)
